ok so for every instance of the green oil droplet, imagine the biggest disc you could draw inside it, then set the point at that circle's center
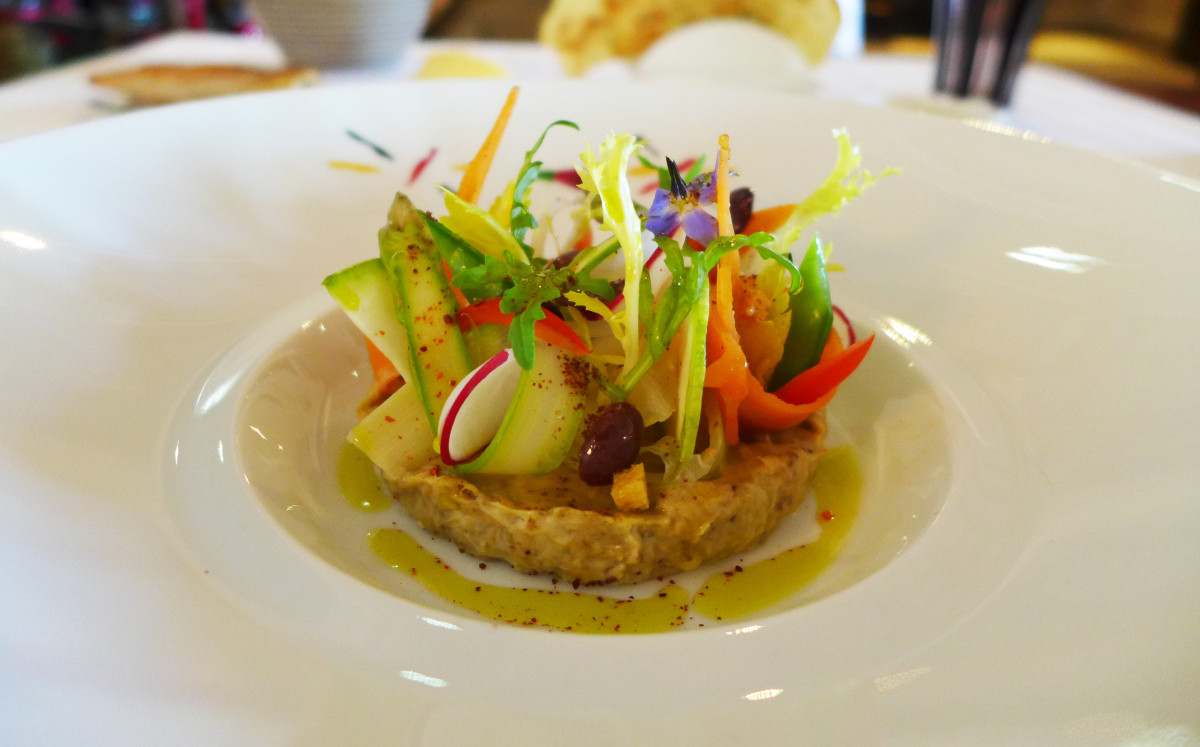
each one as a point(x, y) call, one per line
point(357, 481)
point(575, 611)
point(738, 594)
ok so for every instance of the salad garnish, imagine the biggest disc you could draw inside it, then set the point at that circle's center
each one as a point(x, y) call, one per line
point(695, 314)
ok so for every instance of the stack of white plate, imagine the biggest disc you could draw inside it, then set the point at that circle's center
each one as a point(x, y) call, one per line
point(344, 34)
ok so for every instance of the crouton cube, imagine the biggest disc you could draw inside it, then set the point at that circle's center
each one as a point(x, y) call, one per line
point(629, 489)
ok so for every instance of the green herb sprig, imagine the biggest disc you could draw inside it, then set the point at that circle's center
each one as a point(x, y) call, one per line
point(527, 287)
point(689, 269)
point(520, 217)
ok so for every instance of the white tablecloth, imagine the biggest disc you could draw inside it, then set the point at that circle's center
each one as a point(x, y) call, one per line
point(1049, 102)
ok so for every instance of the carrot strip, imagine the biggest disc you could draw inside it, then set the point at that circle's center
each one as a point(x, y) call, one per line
point(727, 371)
point(584, 240)
point(743, 400)
point(810, 391)
point(763, 411)
point(458, 294)
point(551, 330)
point(724, 217)
point(477, 170)
point(768, 219)
point(385, 372)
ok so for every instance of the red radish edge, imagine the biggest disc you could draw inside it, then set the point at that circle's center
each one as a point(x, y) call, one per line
point(468, 386)
point(849, 327)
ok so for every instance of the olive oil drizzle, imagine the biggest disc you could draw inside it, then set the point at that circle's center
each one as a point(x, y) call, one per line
point(358, 482)
point(565, 610)
point(725, 596)
point(745, 591)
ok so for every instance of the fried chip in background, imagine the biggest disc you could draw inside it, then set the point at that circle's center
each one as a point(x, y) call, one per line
point(585, 32)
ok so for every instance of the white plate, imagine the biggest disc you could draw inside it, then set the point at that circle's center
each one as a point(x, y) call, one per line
point(1037, 301)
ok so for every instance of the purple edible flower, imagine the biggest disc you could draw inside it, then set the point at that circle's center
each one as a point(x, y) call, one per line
point(683, 205)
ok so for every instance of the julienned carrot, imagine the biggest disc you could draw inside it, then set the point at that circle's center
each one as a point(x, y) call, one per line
point(724, 217)
point(458, 294)
point(768, 219)
point(477, 170)
point(810, 391)
point(385, 372)
point(584, 240)
point(763, 411)
point(727, 371)
point(742, 399)
point(551, 330)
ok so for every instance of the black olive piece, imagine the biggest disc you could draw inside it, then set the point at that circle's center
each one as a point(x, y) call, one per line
point(741, 205)
point(610, 443)
point(564, 259)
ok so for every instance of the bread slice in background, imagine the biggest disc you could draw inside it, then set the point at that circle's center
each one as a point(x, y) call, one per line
point(166, 84)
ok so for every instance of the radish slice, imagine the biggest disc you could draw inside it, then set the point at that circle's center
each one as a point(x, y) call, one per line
point(846, 327)
point(476, 408)
point(541, 419)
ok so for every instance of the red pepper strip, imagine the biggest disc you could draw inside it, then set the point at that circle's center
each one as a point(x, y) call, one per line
point(551, 330)
point(767, 411)
point(832, 370)
point(768, 219)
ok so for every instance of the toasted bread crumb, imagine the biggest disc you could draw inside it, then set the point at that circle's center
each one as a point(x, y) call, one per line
point(629, 489)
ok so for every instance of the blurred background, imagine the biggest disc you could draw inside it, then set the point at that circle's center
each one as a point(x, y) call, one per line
point(1150, 47)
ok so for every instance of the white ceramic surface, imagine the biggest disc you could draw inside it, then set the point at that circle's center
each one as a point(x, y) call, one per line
point(155, 264)
point(265, 427)
point(736, 52)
